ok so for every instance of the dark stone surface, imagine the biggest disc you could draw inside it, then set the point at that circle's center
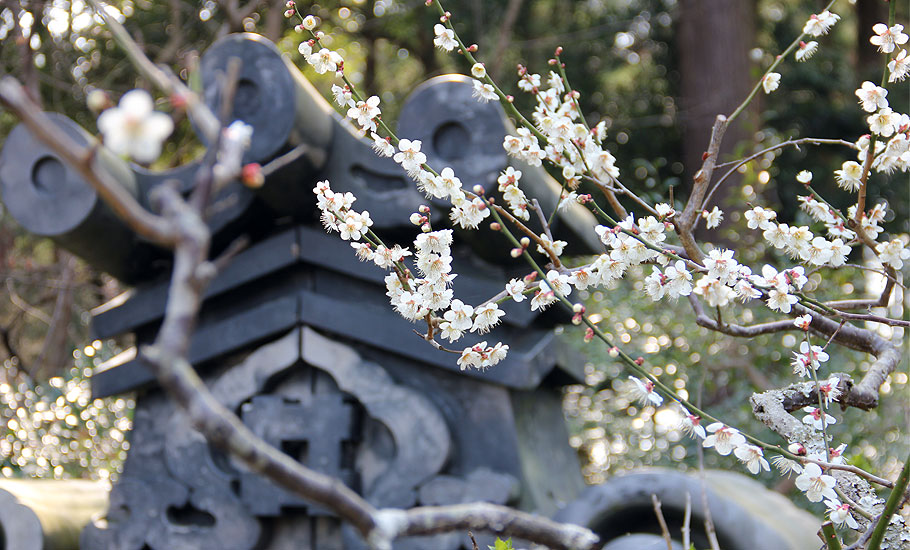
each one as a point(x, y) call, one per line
point(747, 516)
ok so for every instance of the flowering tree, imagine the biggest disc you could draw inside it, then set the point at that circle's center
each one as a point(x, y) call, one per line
point(635, 233)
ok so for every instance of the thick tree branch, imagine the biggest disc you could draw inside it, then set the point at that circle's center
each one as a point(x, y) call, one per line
point(685, 223)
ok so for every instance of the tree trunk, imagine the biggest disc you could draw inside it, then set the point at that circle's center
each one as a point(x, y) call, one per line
point(714, 42)
point(868, 59)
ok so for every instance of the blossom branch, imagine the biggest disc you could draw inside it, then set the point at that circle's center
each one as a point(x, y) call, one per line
point(83, 159)
point(793, 142)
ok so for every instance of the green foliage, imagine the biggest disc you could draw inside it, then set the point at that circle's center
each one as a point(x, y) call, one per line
point(502, 544)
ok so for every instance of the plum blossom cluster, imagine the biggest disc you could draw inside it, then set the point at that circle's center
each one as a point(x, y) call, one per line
point(567, 143)
point(559, 135)
point(414, 298)
point(799, 242)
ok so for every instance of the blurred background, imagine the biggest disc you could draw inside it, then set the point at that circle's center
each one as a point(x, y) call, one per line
point(657, 71)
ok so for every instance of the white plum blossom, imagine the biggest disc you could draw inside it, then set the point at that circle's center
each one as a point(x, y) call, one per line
point(483, 92)
point(445, 38)
point(480, 356)
point(468, 214)
point(643, 390)
point(713, 218)
point(664, 210)
point(820, 24)
point(691, 424)
point(872, 97)
point(529, 82)
point(409, 305)
point(817, 418)
point(815, 484)
point(818, 252)
point(325, 61)
point(723, 438)
point(839, 514)
point(410, 158)
point(558, 282)
point(785, 465)
point(829, 390)
point(547, 245)
point(478, 70)
point(679, 280)
point(515, 288)
point(752, 457)
point(893, 253)
point(543, 298)
point(364, 112)
point(722, 266)
point(848, 177)
point(654, 286)
point(382, 146)
point(760, 218)
point(715, 292)
point(387, 257)
point(486, 316)
point(780, 300)
point(899, 67)
point(343, 96)
point(803, 321)
point(354, 225)
point(447, 184)
point(887, 38)
point(436, 241)
point(815, 354)
point(885, 122)
point(806, 50)
point(133, 128)
point(800, 364)
point(459, 315)
point(839, 253)
point(804, 177)
point(778, 235)
point(770, 82)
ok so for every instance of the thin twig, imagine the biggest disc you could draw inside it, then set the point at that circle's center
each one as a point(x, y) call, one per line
point(687, 518)
point(663, 522)
point(794, 142)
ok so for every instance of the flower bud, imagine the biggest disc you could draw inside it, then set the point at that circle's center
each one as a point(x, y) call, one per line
point(640, 361)
point(525, 242)
point(495, 226)
point(516, 252)
point(251, 175)
point(423, 209)
point(589, 334)
point(558, 50)
point(478, 190)
point(417, 219)
point(578, 308)
point(98, 100)
point(426, 228)
point(478, 70)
